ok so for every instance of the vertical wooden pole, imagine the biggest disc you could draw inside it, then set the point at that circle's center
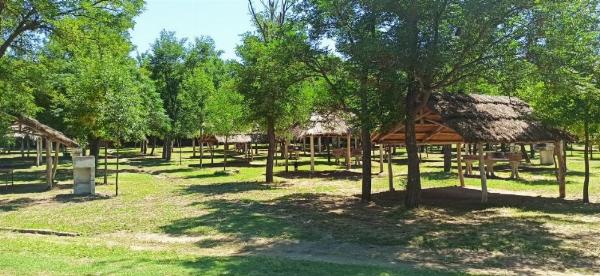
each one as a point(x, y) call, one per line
point(105, 162)
point(461, 176)
point(312, 153)
point(55, 167)
point(484, 196)
point(117, 171)
point(38, 148)
point(348, 151)
point(286, 154)
point(390, 172)
point(49, 179)
point(380, 158)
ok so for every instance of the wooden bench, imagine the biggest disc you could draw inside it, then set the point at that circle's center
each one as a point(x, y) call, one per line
point(490, 160)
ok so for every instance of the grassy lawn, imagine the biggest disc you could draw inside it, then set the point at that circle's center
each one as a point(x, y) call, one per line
point(173, 218)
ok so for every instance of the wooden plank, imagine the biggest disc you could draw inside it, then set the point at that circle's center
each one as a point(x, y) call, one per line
point(312, 154)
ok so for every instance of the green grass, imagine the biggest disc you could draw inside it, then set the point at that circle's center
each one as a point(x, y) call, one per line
point(173, 218)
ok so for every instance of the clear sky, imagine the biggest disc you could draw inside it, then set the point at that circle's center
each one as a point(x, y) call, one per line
point(223, 20)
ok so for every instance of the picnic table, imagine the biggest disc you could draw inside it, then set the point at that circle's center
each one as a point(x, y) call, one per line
point(491, 159)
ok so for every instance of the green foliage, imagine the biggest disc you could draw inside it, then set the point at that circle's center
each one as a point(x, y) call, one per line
point(184, 75)
point(226, 112)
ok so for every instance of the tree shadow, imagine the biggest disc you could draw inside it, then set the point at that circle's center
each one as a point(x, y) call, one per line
point(9, 205)
point(225, 188)
point(330, 175)
point(453, 226)
point(72, 198)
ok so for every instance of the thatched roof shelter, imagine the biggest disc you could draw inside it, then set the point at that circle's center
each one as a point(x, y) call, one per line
point(326, 125)
point(460, 118)
point(28, 126)
point(235, 139)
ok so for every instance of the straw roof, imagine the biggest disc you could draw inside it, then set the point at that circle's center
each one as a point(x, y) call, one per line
point(29, 126)
point(323, 125)
point(460, 118)
point(499, 119)
point(235, 139)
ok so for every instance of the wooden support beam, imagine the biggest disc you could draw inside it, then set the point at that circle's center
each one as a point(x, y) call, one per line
point(433, 133)
point(461, 176)
point(312, 154)
point(401, 126)
point(49, 180)
point(56, 159)
point(390, 172)
point(320, 145)
point(348, 152)
point(484, 196)
point(38, 148)
point(380, 158)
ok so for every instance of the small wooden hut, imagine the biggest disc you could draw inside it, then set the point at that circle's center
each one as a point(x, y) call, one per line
point(456, 118)
point(54, 139)
point(331, 125)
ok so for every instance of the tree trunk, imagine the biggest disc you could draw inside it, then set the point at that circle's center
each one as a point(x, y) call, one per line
point(105, 163)
point(225, 154)
point(413, 185)
point(366, 159)
point(271, 151)
point(524, 153)
point(286, 155)
point(117, 173)
point(447, 158)
point(49, 179)
point(95, 149)
point(586, 179)
point(153, 145)
point(194, 147)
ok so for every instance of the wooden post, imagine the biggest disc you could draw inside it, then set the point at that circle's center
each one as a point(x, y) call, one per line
point(561, 168)
point(38, 148)
point(201, 152)
point(55, 167)
point(105, 162)
point(390, 172)
point(312, 153)
point(380, 158)
point(49, 179)
point(348, 151)
point(482, 173)
point(461, 176)
point(286, 154)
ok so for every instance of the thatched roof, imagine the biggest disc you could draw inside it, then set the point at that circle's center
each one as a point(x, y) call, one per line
point(499, 119)
point(29, 126)
point(323, 125)
point(235, 139)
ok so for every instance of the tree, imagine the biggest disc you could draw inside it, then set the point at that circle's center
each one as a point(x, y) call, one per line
point(433, 44)
point(180, 72)
point(226, 114)
point(271, 71)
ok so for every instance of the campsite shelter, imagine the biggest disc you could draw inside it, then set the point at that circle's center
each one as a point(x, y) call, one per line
point(456, 118)
point(325, 125)
point(237, 139)
point(31, 127)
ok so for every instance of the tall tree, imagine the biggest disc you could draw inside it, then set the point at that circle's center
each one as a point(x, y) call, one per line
point(183, 74)
point(272, 70)
point(226, 114)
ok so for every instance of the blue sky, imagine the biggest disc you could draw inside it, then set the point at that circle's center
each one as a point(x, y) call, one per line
point(223, 20)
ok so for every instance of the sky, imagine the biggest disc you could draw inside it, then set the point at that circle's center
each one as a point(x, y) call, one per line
point(223, 20)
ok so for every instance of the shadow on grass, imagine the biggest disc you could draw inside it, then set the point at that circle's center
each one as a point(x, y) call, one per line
point(225, 188)
point(331, 175)
point(8, 205)
point(453, 226)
